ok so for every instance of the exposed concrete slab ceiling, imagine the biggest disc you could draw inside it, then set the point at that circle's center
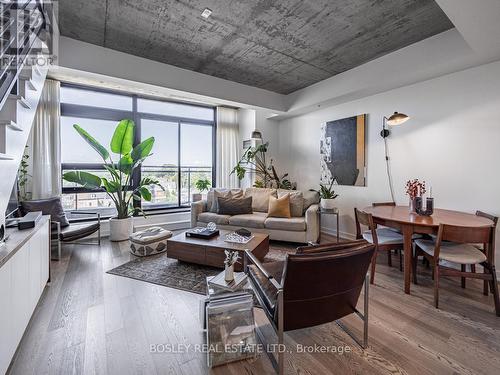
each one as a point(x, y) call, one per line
point(281, 46)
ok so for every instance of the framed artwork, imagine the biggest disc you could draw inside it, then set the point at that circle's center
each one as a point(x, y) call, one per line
point(342, 151)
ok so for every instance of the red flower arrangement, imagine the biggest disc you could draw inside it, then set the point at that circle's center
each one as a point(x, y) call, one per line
point(415, 188)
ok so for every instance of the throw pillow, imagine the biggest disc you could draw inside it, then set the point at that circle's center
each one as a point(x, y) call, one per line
point(279, 207)
point(296, 201)
point(260, 197)
point(234, 206)
point(215, 193)
point(51, 206)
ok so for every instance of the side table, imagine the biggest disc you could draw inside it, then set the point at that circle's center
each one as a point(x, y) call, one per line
point(333, 211)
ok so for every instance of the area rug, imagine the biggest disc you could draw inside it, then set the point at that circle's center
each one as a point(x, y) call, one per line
point(158, 269)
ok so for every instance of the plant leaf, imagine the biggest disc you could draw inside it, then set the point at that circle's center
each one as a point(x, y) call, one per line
point(143, 149)
point(126, 164)
point(110, 186)
point(123, 138)
point(145, 193)
point(92, 142)
point(84, 179)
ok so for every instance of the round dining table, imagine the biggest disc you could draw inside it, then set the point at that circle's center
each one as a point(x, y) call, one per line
point(400, 217)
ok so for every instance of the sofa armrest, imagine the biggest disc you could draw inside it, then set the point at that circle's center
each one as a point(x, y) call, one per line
point(312, 223)
point(196, 209)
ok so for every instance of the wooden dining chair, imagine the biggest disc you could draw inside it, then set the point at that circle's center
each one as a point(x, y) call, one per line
point(399, 251)
point(384, 239)
point(455, 244)
point(490, 253)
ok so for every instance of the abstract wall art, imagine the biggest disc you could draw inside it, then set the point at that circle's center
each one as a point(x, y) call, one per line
point(342, 151)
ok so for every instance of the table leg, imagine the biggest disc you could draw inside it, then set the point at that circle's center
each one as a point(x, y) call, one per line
point(407, 246)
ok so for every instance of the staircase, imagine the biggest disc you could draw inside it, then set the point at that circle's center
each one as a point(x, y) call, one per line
point(21, 88)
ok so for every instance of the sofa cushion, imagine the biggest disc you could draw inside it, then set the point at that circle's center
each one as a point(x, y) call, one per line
point(260, 198)
point(279, 207)
point(296, 201)
point(295, 224)
point(207, 217)
point(255, 220)
point(234, 206)
point(212, 202)
point(310, 198)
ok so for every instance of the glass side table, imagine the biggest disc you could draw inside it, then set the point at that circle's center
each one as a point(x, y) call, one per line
point(334, 212)
point(230, 325)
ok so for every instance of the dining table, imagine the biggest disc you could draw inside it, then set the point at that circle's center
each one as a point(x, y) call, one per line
point(410, 223)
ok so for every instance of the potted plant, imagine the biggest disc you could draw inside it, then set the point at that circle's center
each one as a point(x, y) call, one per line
point(201, 185)
point(120, 174)
point(327, 195)
point(414, 189)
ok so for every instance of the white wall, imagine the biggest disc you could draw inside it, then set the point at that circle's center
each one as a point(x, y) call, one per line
point(452, 141)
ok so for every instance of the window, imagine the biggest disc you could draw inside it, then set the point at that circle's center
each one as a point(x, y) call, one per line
point(183, 152)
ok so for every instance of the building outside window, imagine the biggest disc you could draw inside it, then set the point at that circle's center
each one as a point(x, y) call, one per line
point(184, 148)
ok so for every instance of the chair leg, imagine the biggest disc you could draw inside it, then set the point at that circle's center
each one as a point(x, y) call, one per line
point(436, 286)
point(281, 354)
point(389, 258)
point(494, 286)
point(374, 262)
point(462, 281)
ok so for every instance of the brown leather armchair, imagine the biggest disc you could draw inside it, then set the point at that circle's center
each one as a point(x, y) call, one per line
point(319, 284)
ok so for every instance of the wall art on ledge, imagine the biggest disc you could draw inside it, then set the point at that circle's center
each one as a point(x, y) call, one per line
point(342, 151)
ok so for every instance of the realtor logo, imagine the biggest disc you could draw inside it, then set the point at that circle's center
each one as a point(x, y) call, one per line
point(28, 33)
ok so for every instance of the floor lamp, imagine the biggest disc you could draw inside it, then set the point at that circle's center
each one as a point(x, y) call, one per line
point(393, 120)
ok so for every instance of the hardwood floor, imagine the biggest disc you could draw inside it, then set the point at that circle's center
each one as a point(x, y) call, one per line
point(90, 322)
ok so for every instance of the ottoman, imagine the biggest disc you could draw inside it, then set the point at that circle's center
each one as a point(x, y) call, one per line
point(150, 241)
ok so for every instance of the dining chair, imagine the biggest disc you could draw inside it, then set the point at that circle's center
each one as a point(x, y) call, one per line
point(456, 245)
point(489, 252)
point(384, 239)
point(399, 251)
point(317, 285)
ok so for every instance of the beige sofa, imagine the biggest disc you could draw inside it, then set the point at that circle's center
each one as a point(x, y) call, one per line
point(302, 227)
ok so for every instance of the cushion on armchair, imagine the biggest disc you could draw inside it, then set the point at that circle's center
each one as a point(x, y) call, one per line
point(50, 206)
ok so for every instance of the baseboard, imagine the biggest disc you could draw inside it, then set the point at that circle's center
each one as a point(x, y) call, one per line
point(343, 235)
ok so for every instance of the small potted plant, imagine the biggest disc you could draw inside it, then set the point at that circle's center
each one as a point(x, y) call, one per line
point(327, 195)
point(201, 185)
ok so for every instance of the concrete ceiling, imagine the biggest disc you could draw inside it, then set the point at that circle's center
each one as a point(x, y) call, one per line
point(281, 46)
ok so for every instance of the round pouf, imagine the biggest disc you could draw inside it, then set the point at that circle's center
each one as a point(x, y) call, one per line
point(150, 241)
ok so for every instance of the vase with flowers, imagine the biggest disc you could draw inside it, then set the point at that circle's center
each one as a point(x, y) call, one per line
point(414, 188)
point(231, 259)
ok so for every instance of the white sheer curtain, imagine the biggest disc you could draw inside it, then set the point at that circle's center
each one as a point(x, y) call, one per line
point(227, 147)
point(44, 146)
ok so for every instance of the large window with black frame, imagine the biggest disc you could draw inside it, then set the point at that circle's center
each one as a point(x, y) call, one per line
point(184, 149)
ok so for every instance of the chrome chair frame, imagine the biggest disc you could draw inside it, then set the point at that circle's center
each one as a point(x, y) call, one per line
point(76, 242)
point(279, 326)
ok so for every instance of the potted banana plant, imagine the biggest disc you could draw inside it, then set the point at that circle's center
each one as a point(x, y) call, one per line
point(117, 186)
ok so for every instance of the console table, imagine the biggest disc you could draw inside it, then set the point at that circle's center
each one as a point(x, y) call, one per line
point(24, 272)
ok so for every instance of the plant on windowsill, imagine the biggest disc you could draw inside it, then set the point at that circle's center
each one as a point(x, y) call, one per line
point(254, 161)
point(201, 185)
point(117, 185)
point(327, 195)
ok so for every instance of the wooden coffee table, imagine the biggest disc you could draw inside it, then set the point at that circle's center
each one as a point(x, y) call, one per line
point(211, 252)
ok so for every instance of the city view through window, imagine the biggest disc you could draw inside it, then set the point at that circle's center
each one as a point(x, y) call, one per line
point(183, 151)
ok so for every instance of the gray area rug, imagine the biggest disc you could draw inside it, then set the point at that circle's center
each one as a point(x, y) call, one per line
point(158, 269)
